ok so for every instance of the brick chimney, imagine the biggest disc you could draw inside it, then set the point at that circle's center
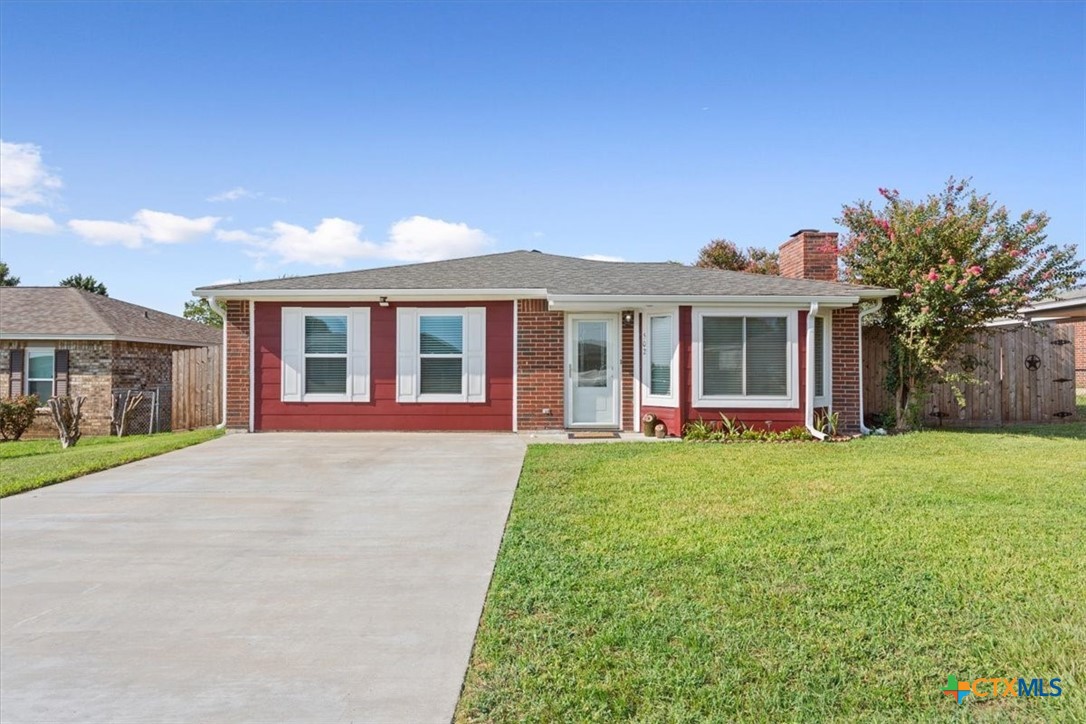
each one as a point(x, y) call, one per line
point(810, 254)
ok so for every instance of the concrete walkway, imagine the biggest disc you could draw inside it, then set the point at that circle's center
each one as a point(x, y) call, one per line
point(331, 577)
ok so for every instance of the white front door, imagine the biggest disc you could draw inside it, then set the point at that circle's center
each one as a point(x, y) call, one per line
point(592, 379)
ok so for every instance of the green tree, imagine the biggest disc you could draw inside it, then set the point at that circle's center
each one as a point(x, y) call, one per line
point(763, 261)
point(724, 254)
point(6, 279)
point(958, 261)
point(87, 283)
point(199, 310)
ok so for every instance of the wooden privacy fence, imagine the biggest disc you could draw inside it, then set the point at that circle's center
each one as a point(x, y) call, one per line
point(197, 387)
point(1027, 374)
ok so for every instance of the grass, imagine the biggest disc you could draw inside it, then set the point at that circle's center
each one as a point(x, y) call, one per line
point(37, 463)
point(789, 582)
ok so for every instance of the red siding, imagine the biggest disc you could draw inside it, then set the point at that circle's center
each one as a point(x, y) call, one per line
point(667, 415)
point(777, 418)
point(382, 412)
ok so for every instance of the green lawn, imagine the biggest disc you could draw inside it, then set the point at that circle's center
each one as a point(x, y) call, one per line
point(36, 463)
point(789, 582)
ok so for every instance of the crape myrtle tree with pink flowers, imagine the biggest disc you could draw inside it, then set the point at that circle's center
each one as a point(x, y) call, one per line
point(958, 261)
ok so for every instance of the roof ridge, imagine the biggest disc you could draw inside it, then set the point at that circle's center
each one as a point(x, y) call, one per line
point(81, 295)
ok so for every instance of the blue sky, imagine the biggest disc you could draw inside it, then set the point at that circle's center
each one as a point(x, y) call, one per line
point(164, 146)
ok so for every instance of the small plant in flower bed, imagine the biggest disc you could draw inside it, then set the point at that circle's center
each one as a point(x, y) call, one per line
point(732, 430)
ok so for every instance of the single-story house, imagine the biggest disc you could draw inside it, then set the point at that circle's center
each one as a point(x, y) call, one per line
point(527, 341)
point(66, 341)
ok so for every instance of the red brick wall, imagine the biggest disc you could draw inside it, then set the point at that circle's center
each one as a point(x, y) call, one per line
point(810, 255)
point(540, 363)
point(237, 365)
point(845, 345)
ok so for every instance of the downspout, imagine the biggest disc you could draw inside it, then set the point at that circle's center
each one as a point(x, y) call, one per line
point(808, 412)
point(864, 429)
point(214, 304)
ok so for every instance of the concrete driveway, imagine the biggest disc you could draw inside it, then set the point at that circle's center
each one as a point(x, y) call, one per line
point(327, 577)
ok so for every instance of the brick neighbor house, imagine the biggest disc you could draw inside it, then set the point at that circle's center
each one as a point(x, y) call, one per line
point(64, 341)
point(530, 341)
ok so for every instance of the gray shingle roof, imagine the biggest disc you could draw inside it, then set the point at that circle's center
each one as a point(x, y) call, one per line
point(557, 275)
point(71, 312)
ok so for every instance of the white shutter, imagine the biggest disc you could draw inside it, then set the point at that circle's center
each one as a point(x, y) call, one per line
point(407, 340)
point(360, 354)
point(291, 354)
point(475, 353)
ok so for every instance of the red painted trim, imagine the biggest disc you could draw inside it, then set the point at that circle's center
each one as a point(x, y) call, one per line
point(383, 412)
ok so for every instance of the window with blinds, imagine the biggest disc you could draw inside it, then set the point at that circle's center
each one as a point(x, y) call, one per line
point(326, 354)
point(441, 354)
point(744, 356)
point(819, 357)
point(661, 347)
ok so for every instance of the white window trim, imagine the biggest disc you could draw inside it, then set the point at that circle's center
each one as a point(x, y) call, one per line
point(671, 399)
point(357, 365)
point(27, 379)
point(789, 401)
point(409, 363)
point(826, 400)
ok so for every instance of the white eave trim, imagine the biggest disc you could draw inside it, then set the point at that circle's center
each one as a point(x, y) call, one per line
point(15, 336)
point(604, 301)
point(371, 295)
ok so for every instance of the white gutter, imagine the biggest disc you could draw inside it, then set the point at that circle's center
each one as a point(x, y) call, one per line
point(371, 295)
point(864, 429)
point(808, 409)
point(214, 304)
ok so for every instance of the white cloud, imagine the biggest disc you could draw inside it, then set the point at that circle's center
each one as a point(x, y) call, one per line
point(108, 232)
point(237, 236)
point(238, 192)
point(602, 257)
point(158, 227)
point(424, 239)
point(334, 241)
point(14, 220)
point(25, 181)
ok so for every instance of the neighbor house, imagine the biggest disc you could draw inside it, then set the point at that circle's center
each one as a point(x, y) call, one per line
point(64, 341)
point(529, 341)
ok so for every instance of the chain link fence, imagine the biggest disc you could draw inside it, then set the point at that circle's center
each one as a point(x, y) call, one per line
point(152, 413)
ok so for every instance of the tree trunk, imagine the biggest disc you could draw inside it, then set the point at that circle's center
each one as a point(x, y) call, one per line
point(67, 416)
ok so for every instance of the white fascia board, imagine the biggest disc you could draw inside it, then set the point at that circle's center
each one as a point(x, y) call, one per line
point(371, 295)
point(600, 302)
point(102, 338)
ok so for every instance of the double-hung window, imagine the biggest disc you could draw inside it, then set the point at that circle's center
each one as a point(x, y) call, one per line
point(40, 372)
point(745, 359)
point(440, 354)
point(660, 360)
point(325, 354)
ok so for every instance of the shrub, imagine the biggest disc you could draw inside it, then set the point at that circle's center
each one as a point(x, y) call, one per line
point(16, 415)
point(799, 432)
point(700, 431)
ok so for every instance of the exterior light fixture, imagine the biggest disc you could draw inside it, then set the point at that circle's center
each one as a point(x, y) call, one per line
point(383, 301)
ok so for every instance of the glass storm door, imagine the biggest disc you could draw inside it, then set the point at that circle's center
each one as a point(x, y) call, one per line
point(593, 372)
